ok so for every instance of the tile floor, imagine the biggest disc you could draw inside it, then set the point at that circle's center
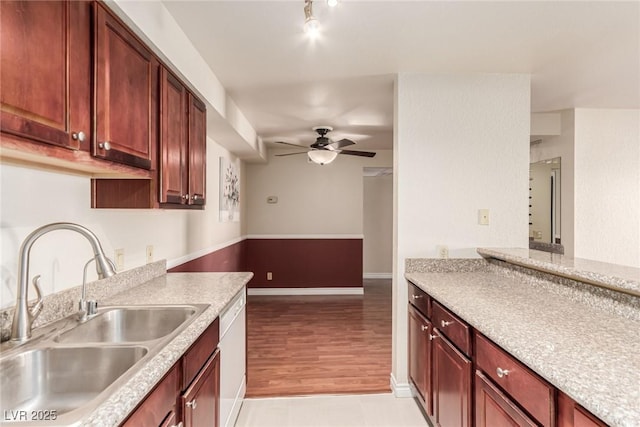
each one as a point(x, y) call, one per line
point(364, 410)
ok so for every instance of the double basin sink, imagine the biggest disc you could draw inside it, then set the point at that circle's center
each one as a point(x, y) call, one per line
point(69, 367)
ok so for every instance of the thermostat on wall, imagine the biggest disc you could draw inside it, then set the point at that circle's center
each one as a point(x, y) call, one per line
point(272, 199)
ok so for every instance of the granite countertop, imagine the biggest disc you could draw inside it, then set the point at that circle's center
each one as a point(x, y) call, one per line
point(588, 352)
point(216, 289)
point(613, 276)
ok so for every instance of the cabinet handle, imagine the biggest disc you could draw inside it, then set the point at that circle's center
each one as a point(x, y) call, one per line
point(105, 145)
point(444, 323)
point(78, 136)
point(502, 372)
point(432, 337)
point(416, 296)
point(193, 404)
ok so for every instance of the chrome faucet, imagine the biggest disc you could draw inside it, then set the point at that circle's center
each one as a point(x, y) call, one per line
point(24, 316)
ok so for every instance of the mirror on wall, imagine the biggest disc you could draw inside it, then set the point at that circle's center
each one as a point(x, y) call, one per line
point(544, 205)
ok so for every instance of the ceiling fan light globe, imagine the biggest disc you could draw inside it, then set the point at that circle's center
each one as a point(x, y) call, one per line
point(322, 157)
point(332, 3)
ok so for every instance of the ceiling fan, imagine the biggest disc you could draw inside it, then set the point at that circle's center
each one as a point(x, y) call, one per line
point(324, 150)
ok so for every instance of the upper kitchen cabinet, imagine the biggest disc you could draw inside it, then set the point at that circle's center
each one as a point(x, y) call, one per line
point(46, 72)
point(125, 94)
point(182, 144)
point(197, 150)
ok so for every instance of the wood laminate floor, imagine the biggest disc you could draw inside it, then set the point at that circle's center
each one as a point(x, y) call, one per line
point(300, 345)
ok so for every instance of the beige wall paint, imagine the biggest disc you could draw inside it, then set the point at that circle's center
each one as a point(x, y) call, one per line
point(378, 225)
point(312, 199)
point(607, 185)
point(461, 143)
point(32, 198)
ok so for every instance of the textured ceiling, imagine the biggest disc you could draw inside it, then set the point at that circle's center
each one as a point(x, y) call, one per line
point(580, 54)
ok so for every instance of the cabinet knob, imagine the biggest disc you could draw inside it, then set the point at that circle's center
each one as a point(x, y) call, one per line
point(195, 197)
point(423, 328)
point(178, 425)
point(193, 404)
point(78, 136)
point(105, 145)
point(185, 197)
point(502, 372)
point(444, 323)
point(416, 296)
point(432, 337)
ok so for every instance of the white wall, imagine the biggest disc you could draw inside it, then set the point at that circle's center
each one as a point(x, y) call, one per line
point(461, 144)
point(378, 225)
point(607, 185)
point(562, 146)
point(32, 198)
point(313, 200)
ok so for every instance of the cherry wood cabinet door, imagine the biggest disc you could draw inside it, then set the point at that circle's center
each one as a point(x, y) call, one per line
point(200, 401)
point(494, 409)
point(126, 94)
point(197, 150)
point(159, 404)
point(420, 357)
point(173, 139)
point(451, 384)
point(46, 71)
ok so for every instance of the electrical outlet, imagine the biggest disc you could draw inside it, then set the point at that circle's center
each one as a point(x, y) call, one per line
point(483, 216)
point(269, 275)
point(119, 259)
point(442, 251)
point(149, 254)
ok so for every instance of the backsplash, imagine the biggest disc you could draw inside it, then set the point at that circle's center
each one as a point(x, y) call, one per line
point(64, 303)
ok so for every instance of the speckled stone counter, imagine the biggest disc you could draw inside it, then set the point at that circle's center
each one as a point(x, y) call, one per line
point(588, 351)
point(216, 289)
point(612, 276)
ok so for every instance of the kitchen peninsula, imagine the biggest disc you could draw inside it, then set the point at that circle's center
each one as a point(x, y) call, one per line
point(570, 325)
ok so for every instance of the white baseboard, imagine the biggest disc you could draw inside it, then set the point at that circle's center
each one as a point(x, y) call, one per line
point(306, 291)
point(400, 390)
point(377, 276)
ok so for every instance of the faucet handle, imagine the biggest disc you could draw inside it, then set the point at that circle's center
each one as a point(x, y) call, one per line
point(36, 308)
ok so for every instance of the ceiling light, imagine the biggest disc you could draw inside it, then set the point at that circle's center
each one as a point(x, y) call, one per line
point(322, 157)
point(311, 24)
point(332, 3)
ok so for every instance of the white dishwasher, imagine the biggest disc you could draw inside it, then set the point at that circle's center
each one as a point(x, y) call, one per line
point(233, 383)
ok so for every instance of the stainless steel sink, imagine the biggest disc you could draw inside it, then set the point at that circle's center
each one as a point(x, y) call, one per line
point(73, 366)
point(62, 378)
point(129, 324)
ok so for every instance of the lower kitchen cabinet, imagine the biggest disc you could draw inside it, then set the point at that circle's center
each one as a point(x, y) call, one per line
point(451, 384)
point(570, 414)
point(494, 408)
point(200, 401)
point(189, 394)
point(420, 357)
point(160, 404)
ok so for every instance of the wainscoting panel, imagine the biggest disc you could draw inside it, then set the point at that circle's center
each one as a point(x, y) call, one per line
point(305, 262)
point(230, 258)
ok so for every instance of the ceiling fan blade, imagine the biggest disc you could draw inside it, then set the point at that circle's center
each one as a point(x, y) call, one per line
point(290, 154)
point(288, 143)
point(358, 153)
point(342, 143)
